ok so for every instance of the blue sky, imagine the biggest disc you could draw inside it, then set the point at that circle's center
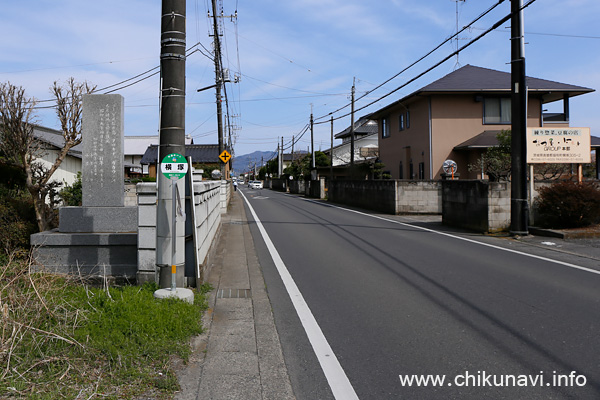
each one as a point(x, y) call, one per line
point(289, 55)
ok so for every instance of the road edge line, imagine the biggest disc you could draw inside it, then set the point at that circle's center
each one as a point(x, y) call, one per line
point(566, 264)
point(336, 377)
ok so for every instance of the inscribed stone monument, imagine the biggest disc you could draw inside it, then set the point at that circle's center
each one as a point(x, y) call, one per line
point(99, 238)
point(102, 175)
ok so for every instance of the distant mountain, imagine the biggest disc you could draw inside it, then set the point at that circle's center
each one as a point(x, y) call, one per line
point(245, 162)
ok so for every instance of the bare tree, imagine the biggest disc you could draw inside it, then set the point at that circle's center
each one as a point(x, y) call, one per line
point(22, 149)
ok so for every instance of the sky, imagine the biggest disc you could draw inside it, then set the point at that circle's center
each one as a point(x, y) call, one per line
point(291, 57)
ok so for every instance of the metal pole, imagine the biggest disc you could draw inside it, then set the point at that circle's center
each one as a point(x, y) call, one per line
point(172, 130)
point(174, 230)
point(519, 207)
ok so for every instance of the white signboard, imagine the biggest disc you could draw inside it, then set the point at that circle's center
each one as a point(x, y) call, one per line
point(558, 145)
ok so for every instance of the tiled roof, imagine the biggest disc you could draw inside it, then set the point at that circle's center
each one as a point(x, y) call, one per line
point(137, 145)
point(477, 79)
point(364, 126)
point(200, 153)
point(472, 79)
point(55, 139)
point(483, 140)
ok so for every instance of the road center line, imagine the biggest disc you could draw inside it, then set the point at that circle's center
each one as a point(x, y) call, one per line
point(338, 381)
point(566, 264)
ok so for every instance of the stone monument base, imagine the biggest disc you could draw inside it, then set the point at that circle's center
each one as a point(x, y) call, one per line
point(88, 254)
point(98, 219)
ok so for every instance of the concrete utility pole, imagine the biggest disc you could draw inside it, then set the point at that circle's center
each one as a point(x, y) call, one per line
point(312, 137)
point(279, 164)
point(292, 163)
point(172, 137)
point(331, 154)
point(352, 128)
point(519, 210)
point(218, 81)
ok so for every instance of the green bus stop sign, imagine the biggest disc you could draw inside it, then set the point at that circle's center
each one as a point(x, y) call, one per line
point(174, 166)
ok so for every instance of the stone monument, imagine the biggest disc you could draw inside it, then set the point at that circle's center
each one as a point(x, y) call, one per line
point(100, 237)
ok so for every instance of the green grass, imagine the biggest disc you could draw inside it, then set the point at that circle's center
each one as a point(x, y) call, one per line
point(60, 338)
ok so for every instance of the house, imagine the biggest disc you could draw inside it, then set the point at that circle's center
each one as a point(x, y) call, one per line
point(134, 149)
point(204, 156)
point(366, 144)
point(288, 158)
point(420, 131)
point(52, 141)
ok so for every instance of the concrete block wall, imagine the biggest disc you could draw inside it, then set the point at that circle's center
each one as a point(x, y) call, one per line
point(316, 188)
point(130, 195)
point(498, 206)
point(419, 197)
point(208, 198)
point(465, 204)
point(379, 195)
point(278, 184)
point(225, 195)
point(297, 187)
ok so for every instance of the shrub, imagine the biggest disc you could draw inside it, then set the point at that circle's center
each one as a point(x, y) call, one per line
point(568, 204)
point(71, 195)
point(17, 219)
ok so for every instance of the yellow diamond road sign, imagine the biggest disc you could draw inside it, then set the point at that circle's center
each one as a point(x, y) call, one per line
point(225, 156)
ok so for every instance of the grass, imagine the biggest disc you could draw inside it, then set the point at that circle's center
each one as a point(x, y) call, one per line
point(62, 338)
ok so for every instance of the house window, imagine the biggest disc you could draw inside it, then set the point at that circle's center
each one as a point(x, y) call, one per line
point(385, 130)
point(496, 110)
point(401, 122)
point(407, 118)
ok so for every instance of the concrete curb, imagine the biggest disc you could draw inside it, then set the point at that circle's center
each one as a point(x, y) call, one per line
point(239, 356)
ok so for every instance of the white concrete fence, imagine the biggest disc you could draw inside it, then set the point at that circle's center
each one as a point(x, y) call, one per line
point(210, 201)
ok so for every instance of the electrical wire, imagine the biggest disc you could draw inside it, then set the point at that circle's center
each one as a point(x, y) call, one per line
point(449, 39)
point(470, 43)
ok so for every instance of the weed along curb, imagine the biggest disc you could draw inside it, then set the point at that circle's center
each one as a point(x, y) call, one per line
point(179, 293)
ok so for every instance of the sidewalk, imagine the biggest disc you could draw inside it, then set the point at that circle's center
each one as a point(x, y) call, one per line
point(239, 356)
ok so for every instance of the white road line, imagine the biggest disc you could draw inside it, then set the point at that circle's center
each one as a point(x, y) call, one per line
point(338, 381)
point(566, 264)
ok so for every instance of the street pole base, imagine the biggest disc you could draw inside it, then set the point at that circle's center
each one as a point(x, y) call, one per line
point(178, 293)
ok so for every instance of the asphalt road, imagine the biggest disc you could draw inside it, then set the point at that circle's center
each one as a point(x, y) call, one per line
point(394, 302)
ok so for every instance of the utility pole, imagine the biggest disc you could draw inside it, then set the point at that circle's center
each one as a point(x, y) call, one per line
point(352, 129)
point(172, 139)
point(278, 159)
point(519, 209)
point(312, 137)
point(292, 150)
point(331, 154)
point(218, 81)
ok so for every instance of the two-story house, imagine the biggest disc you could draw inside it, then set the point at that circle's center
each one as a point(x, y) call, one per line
point(420, 131)
point(366, 145)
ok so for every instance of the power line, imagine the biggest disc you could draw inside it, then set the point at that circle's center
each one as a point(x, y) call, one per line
point(549, 34)
point(417, 61)
point(495, 26)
